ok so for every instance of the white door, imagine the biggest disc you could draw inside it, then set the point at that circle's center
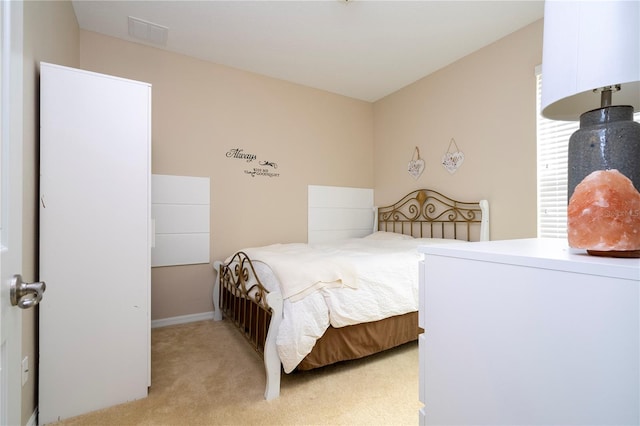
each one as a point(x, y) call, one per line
point(10, 207)
point(94, 241)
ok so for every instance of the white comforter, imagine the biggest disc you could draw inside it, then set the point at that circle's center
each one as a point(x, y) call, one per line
point(369, 279)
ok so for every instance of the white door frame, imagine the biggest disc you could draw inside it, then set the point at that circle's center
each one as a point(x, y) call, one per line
point(11, 122)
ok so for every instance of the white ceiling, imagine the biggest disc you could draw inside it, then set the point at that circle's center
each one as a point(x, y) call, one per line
point(361, 49)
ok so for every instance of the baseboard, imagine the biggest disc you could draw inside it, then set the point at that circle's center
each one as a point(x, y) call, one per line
point(33, 420)
point(183, 319)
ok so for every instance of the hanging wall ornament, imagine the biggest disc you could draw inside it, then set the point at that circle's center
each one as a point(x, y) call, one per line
point(451, 160)
point(416, 165)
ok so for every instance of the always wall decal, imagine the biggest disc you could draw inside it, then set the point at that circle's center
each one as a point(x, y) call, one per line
point(266, 169)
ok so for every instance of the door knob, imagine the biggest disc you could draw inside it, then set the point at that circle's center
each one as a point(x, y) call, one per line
point(26, 295)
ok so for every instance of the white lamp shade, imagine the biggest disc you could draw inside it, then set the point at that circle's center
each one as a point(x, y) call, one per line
point(589, 45)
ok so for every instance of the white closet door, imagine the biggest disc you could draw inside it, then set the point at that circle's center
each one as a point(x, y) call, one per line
point(94, 241)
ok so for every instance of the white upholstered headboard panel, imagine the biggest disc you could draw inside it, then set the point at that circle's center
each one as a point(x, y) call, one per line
point(336, 213)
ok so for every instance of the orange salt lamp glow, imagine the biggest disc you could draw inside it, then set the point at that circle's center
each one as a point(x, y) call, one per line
point(604, 214)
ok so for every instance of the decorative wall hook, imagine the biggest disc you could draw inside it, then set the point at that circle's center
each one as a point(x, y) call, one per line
point(451, 160)
point(416, 165)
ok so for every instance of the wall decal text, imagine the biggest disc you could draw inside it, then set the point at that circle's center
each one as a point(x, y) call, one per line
point(239, 154)
point(267, 169)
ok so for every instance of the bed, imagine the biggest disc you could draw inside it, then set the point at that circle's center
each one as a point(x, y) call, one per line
point(304, 306)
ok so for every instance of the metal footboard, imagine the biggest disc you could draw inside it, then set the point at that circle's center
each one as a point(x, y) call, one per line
point(240, 296)
point(243, 300)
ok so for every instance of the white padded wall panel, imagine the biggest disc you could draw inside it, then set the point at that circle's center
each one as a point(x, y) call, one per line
point(180, 209)
point(180, 218)
point(168, 189)
point(338, 196)
point(341, 218)
point(194, 249)
point(336, 213)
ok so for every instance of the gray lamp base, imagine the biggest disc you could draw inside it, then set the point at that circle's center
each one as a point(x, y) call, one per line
point(608, 139)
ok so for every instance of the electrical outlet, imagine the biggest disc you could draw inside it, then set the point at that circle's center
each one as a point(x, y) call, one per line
point(25, 370)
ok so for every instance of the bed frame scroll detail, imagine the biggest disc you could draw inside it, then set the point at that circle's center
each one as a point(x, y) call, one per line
point(429, 214)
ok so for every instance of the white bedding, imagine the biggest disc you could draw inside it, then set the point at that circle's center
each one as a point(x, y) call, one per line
point(370, 279)
point(302, 269)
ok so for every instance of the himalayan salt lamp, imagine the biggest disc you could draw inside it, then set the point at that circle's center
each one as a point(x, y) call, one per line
point(603, 215)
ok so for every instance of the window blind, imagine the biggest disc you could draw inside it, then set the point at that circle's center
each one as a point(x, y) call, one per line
point(553, 140)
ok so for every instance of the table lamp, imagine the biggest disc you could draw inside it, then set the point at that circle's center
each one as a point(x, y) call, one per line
point(591, 72)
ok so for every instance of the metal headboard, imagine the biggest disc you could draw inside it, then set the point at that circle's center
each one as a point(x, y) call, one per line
point(429, 214)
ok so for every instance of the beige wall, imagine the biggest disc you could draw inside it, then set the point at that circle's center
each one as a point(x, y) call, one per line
point(51, 34)
point(486, 102)
point(200, 112)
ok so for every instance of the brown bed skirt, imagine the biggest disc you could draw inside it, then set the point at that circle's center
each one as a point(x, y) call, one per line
point(360, 340)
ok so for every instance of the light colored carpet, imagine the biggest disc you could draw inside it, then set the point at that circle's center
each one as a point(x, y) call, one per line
point(205, 373)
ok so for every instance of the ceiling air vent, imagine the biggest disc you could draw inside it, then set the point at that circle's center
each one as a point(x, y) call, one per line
point(148, 31)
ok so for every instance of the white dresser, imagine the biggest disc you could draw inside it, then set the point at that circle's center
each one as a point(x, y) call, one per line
point(528, 332)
